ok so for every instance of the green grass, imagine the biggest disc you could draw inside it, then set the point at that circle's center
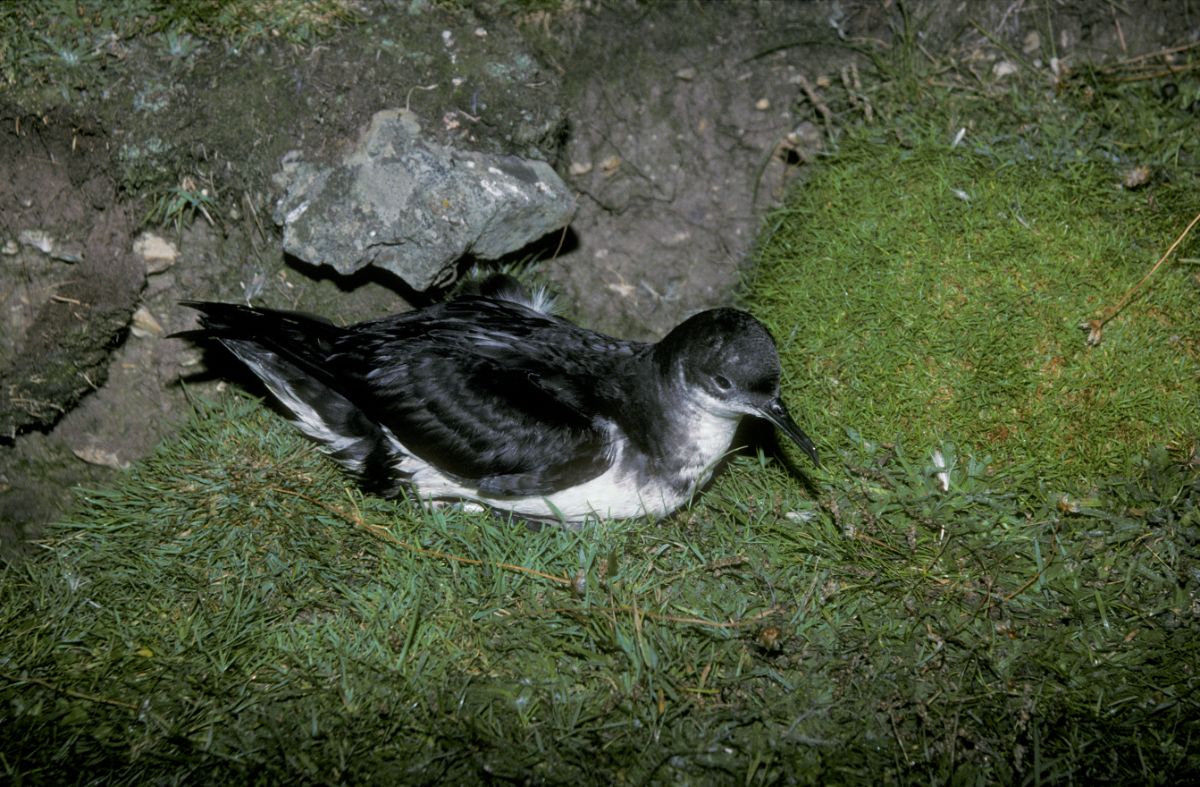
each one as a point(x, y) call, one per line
point(231, 610)
point(180, 205)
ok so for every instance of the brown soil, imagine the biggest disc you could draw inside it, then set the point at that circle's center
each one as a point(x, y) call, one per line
point(67, 236)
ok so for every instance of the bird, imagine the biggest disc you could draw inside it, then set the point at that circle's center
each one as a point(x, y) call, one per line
point(491, 400)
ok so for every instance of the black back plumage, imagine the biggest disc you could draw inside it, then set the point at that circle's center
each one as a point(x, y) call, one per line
point(488, 390)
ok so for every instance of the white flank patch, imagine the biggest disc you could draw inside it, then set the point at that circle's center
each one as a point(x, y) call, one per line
point(306, 419)
point(608, 495)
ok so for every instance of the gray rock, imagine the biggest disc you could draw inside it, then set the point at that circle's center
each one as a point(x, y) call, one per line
point(414, 207)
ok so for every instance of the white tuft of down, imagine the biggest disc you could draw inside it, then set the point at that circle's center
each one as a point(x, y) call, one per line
point(540, 300)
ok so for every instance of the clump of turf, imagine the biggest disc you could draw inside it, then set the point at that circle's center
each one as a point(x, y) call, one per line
point(929, 292)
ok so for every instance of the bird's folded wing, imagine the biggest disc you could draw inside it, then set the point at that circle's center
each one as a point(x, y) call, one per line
point(500, 427)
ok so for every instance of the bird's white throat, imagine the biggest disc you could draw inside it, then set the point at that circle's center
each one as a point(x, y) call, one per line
point(708, 427)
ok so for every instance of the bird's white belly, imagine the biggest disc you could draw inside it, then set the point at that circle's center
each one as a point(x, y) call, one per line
point(611, 495)
point(620, 492)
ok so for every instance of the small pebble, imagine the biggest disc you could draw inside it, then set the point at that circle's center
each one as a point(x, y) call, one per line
point(145, 324)
point(36, 239)
point(1136, 177)
point(1003, 69)
point(157, 252)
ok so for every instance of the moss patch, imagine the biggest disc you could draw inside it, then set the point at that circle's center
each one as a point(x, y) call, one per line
point(936, 292)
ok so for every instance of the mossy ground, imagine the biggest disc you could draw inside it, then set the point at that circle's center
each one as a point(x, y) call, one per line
point(231, 611)
point(932, 292)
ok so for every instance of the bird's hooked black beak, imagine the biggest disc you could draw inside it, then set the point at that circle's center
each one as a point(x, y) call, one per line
point(775, 412)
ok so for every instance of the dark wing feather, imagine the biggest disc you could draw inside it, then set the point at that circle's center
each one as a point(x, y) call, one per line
point(489, 391)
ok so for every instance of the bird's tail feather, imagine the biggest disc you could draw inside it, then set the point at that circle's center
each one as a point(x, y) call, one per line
point(289, 353)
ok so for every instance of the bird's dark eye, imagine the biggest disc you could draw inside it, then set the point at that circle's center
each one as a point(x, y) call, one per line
point(722, 382)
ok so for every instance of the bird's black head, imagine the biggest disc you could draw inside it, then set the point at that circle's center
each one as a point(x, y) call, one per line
point(724, 352)
point(729, 361)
